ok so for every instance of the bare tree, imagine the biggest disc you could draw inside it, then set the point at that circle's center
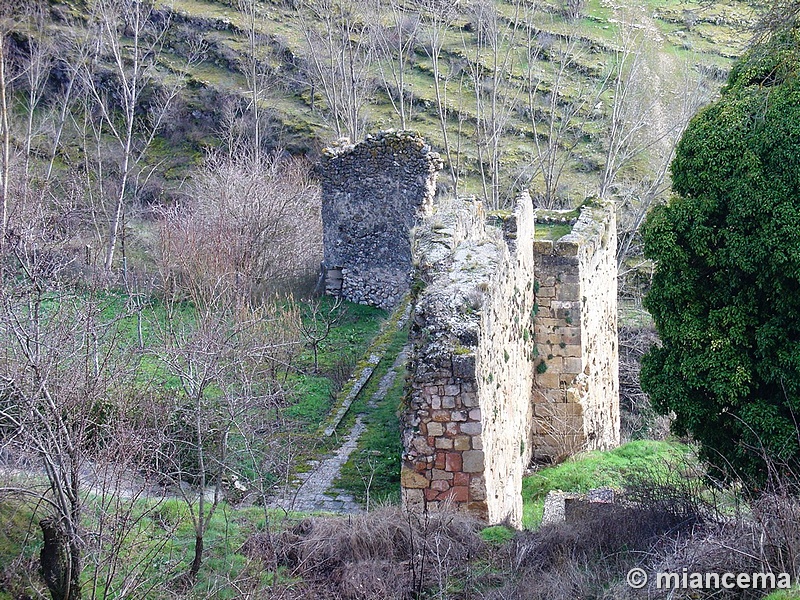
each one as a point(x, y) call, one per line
point(339, 62)
point(128, 43)
point(394, 44)
point(437, 17)
point(62, 375)
point(317, 324)
point(223, 356)
point(559, 105)
point(495, 88)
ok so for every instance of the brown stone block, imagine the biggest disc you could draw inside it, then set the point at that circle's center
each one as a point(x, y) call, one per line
point(453, 462)
point(478, 509)
point(439, 461)
point(548, 379)
point(569, 350)
point(441, 416)
point(461, 442)
point(457, 494)
point(413, 480)
point(452, 429)
point(460, 479)
point(430, 495)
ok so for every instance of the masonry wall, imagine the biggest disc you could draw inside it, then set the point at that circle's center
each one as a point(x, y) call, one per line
point(372, 195)
point(468, 424)
point(576, 393)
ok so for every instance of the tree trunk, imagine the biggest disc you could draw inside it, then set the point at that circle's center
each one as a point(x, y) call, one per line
point(198, 557)
point(57, 562)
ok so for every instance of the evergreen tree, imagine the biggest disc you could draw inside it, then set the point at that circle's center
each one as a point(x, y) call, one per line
point(726, 291)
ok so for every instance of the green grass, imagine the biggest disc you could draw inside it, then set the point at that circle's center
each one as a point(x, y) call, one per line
point(793, 594)
point(376, 462)
point(591, 470)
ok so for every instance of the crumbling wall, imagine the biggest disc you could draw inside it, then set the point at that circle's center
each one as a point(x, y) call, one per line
point(372, 195)
point(576, 374)
point(468, 422)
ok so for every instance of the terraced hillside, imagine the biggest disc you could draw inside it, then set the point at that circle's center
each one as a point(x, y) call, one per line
point(514, 93)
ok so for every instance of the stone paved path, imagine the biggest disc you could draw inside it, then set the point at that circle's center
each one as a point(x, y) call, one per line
point(314, 489)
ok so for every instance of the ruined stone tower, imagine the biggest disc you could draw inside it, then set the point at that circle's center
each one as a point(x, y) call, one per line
point(372, 195)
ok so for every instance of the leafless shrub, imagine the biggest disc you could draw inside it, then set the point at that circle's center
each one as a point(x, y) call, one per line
point(387, 553)
point(253, 227)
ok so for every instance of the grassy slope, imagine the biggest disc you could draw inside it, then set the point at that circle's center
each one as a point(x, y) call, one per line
point(692, 35)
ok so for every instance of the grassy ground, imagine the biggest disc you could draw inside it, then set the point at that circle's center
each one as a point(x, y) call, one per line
point(591, 470)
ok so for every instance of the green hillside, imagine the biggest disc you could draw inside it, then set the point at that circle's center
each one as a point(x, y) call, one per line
point(547, 92)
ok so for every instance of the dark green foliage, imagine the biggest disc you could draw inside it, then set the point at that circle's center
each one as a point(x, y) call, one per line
point(726, 293)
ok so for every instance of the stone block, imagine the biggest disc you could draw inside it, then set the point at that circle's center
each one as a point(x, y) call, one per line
point(412, 480)
point(548, 380)
point(436, 402)
point(451, 390)
point(469, 399)
point(477, 488)
point(471, 428)
point(472, 461)
point(464, 366)
point(453, 462)
point(448, 402)
point(438, 474)
point(458, 415)
point(461, 442)
point(461, 479)
point(568, 291)
point(573, 365)
point(444, 443)
point(413, 497)
point(458, 494)
point(435, 429)
point(440, 416)
point(440, 485)
point(477, 442)
point(475, 414)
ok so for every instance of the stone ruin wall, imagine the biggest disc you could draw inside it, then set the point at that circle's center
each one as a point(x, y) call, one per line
point(576, 396)
point(468, 424)
point(372, 195)
point(507, 364)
